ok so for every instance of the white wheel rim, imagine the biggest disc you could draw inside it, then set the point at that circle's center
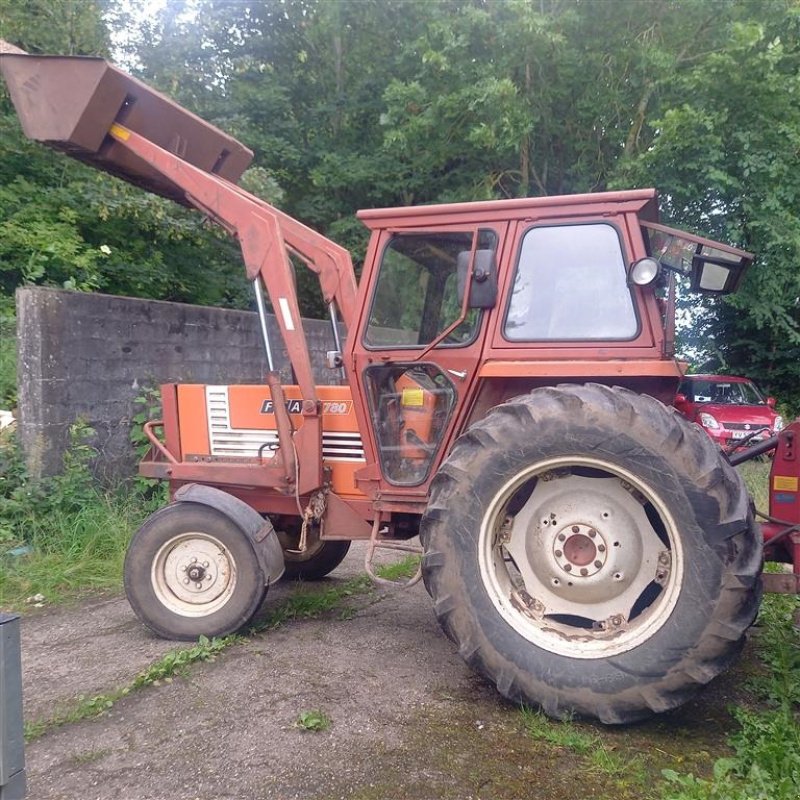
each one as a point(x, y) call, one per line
point(193, 574)
point(589, 566)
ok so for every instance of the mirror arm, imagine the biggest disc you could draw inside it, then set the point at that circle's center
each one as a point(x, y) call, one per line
point(464, 304)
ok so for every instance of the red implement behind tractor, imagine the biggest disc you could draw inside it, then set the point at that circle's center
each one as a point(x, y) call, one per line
point(501, 391)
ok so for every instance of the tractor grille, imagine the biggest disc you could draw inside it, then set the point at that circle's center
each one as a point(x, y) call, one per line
point(257, 443)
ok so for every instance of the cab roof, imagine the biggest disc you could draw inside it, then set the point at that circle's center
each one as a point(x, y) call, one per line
point(641, 201)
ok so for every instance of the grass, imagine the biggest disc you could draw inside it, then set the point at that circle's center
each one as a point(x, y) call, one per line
point(70, 553)
point(8, 354)
point(756, 477)
point(765, 764)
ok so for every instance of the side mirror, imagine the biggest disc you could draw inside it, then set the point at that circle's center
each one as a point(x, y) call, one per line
point(483, 287)
point(680, 399)
point(771, 402)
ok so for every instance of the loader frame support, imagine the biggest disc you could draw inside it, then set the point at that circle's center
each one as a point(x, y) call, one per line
point(267, 238)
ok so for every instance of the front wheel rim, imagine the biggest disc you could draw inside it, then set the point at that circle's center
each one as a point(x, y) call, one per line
point(193, 574)
point(581, 557)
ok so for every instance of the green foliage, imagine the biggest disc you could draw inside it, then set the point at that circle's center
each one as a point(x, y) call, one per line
point(313, 721)
point(724, 154)
point(60, 535)
point(561, 734)
point(176, 662)
point(8, 353)
point(766, 760)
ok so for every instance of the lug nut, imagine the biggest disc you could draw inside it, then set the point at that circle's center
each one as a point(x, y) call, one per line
point(601, 548)
point(592, 533)
point(575, 529)
point(584, 572)
point(186, 580)
point(559, 554)
point(568, 567)
point(562, 537)
point(598, 564)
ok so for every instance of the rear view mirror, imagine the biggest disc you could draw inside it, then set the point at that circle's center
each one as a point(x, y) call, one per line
point(679, 399)
point(483, 287)
point(771, 402)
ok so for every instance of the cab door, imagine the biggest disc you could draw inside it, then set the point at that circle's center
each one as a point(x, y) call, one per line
point(417, 352)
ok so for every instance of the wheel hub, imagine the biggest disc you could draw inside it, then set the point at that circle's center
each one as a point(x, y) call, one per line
point(580, 550)
point(193, 574)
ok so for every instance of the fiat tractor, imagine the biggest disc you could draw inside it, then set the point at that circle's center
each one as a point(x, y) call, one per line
point(500, 385)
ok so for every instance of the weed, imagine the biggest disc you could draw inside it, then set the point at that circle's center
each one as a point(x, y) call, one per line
point(398, 570)
point(608, 762)
point(177, 661)
point(147, 406)
point(304, 604)
point(766, 760)
point(61, 534)
point(561, 734)
point(314, 721)
point(8, 353)
point(89, 756)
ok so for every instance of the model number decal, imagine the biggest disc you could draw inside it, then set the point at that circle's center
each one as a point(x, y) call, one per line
point(340, 407)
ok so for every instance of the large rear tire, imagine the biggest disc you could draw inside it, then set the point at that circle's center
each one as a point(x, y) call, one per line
point(591, 553)
point(190, 571)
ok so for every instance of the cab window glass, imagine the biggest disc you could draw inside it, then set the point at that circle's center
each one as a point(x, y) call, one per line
point(416, 295)
point(571, 284)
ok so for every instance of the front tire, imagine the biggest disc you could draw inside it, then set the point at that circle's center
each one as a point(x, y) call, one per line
point(591, 553)
point(190, 571)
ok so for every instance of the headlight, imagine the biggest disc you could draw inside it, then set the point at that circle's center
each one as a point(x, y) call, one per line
point(778, 426)
point(707, 421)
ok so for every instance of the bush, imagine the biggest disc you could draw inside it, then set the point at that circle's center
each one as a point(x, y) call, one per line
point(62, 534)
point(8, 353)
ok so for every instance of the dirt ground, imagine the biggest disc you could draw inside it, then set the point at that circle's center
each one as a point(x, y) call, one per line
point(409, 719)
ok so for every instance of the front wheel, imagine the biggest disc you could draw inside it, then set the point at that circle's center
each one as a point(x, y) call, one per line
point(191, 571)
point(591, 553)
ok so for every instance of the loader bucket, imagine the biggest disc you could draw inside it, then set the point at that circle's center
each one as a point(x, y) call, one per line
point(70, 102)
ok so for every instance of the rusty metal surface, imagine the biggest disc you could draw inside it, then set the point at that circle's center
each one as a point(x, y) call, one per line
point(70, 102)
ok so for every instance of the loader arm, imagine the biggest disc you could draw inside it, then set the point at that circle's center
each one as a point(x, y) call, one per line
point(98, 114)
point(267, 237)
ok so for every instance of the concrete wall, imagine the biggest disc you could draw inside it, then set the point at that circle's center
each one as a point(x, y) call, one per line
point(90, 355)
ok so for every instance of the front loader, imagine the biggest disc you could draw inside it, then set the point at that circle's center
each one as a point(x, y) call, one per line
point(502, 389)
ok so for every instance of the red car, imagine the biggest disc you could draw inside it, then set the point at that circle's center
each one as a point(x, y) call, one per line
point(728, 408)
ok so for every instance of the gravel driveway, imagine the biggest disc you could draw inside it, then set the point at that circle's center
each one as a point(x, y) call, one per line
point(408, 718)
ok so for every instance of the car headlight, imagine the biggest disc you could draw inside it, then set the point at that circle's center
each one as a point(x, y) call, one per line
point(778, 426)
point(707, 421)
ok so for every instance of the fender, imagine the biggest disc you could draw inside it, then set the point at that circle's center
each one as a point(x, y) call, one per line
point(257, 529)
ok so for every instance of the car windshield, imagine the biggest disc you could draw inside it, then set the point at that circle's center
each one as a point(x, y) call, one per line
point(725, 392)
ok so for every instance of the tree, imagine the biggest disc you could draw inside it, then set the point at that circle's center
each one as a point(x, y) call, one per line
point(726, 156)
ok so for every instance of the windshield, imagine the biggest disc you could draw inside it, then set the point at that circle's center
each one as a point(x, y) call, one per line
point(722, 392)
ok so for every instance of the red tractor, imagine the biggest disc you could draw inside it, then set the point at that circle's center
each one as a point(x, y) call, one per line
point(503, 390)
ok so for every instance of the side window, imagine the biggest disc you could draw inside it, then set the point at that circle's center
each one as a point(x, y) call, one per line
point(571, 284)
point(416, 295)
